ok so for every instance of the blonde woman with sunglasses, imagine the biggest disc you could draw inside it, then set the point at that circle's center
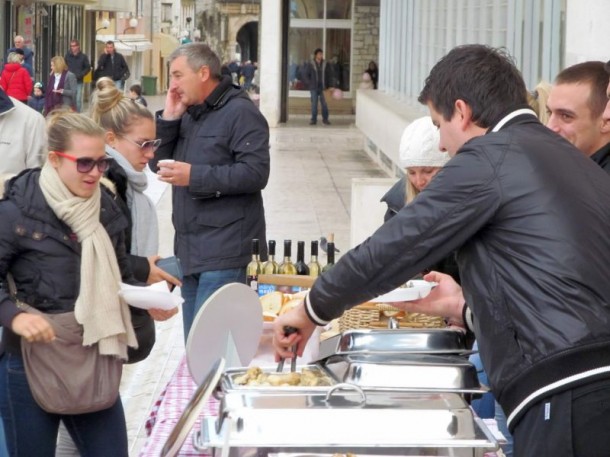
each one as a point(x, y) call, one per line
point(62, 241)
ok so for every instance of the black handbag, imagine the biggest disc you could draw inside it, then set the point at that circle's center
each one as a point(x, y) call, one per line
point(144, 328)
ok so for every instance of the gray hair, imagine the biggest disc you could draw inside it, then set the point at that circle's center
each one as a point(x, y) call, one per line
point(198, 55)
point(14, 57)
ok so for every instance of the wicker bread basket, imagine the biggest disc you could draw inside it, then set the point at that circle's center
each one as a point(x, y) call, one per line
point(376, 315)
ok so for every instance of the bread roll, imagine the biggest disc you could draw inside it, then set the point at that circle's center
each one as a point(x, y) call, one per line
point(272, 302)
point(289, 305)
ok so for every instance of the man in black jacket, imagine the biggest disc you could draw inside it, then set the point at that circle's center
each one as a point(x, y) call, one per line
point(317, 77)
point(527, 214)
point(78, 63)
point(113, 65)
point(219, 143)
point(576, 106)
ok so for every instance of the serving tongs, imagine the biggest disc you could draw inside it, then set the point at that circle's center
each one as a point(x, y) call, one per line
point(293, 361)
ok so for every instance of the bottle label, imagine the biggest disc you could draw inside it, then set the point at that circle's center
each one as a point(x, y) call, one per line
point(252, 281)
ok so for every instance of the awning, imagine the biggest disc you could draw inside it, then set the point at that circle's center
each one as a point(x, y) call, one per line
point(127, 44)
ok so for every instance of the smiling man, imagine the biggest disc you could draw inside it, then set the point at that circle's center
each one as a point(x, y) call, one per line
point(522, 208)
point(576, 110)
point(219, 142)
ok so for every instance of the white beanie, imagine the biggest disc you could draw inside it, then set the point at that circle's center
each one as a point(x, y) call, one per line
point(419, 145)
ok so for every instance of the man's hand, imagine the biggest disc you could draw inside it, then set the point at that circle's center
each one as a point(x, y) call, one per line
point(174, 108)
point(157, 274)
point(175, 173)
point(33, 328)
point(445, 300)
point(297, 318)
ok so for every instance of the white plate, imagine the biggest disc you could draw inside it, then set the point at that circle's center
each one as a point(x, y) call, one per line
point(155, 296)
point(419, 290)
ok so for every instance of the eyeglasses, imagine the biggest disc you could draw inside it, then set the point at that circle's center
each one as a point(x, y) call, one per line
point(152, 144)
point(86, 164)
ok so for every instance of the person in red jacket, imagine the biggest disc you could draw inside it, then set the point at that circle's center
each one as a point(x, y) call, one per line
point(15, 79)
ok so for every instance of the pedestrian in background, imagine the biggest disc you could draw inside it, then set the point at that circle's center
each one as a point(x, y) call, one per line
point(15, 79)
point(78, 63)
point(113, 65)
point(36, 100)
point(317, 79)
point(61, 87)
point(28, 54)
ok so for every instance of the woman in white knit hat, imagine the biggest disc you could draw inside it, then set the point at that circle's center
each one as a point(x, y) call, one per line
point(421, 158)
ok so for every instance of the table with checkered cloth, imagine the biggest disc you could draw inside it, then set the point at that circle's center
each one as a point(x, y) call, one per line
point(167, 411)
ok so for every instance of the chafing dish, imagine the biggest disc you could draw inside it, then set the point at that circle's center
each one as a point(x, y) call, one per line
point(341, 421)
point(395, 341)
point(406, 372)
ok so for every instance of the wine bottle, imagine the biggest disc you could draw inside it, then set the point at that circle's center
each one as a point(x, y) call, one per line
point(330, 256)
point(313, 265)
point(254, 268)
point(287, 267)
point(302, 268)
point(271, 267)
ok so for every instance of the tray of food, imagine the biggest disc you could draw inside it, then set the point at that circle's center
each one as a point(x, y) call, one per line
point(306, 377)
point(395, 341)
point(405, 372)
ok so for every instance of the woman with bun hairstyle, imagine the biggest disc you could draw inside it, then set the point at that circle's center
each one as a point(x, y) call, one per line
point(131, 142)
point(61, 239)
point(61, 87)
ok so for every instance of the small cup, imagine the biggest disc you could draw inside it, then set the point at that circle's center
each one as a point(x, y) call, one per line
point(164, 162)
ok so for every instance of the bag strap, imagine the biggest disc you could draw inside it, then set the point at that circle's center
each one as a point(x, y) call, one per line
point(12, 288)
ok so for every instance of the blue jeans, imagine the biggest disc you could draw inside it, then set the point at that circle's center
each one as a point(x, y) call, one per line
point(79, 97)
point(31, 431)
point(120, 84)
point(198, 287)
point(315, 94)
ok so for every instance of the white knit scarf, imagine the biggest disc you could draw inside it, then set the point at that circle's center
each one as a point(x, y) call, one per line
point(144, 227)
point(103, 314)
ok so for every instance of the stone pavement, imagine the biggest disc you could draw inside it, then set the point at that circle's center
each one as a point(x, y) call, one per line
point(308, 195)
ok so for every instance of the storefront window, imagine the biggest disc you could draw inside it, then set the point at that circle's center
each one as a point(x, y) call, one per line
point(307, 9)
point(324, 24)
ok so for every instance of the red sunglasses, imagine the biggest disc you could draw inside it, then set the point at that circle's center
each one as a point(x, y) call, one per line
point(86, 164)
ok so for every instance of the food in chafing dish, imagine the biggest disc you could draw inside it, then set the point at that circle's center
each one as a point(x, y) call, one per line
point(254, 376)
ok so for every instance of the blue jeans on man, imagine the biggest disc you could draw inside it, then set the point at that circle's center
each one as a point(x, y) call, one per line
point(119, 83)
point(32, 431)
point(198, 287)
point(315, 95)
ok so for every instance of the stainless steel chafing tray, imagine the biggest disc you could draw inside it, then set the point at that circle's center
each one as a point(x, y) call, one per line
point(395, 341)
point(406, 372)
point(372, 423)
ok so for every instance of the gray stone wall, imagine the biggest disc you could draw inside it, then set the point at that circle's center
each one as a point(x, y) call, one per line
point(365, 44)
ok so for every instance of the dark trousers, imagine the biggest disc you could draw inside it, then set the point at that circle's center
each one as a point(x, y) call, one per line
point(574, 423)
point(315, 95)
point(31, 431)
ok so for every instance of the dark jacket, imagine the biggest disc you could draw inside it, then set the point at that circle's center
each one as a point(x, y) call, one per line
point(226, 141)
point(602, 158)
point(139, 264)
point(43, 254)
point(117, 72)
point(78, 64)
point(395, 199)
point(311, 75)
point(522, 206)
point(36, 103)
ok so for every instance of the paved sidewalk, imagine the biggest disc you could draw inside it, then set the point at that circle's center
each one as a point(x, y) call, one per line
point(308, 195)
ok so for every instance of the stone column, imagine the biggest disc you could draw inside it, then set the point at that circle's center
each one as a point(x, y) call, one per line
point(270, 60)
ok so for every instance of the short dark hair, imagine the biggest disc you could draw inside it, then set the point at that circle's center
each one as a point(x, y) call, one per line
point(484, 77)
point(318, 50)
point(608, 67)
point(137, 89)
point(593, 73)
point(110, 42)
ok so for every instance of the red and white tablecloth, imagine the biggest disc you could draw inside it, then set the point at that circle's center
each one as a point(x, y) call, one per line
point(167, 411)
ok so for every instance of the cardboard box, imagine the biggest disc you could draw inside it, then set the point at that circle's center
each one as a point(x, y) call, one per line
point(289, 284)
